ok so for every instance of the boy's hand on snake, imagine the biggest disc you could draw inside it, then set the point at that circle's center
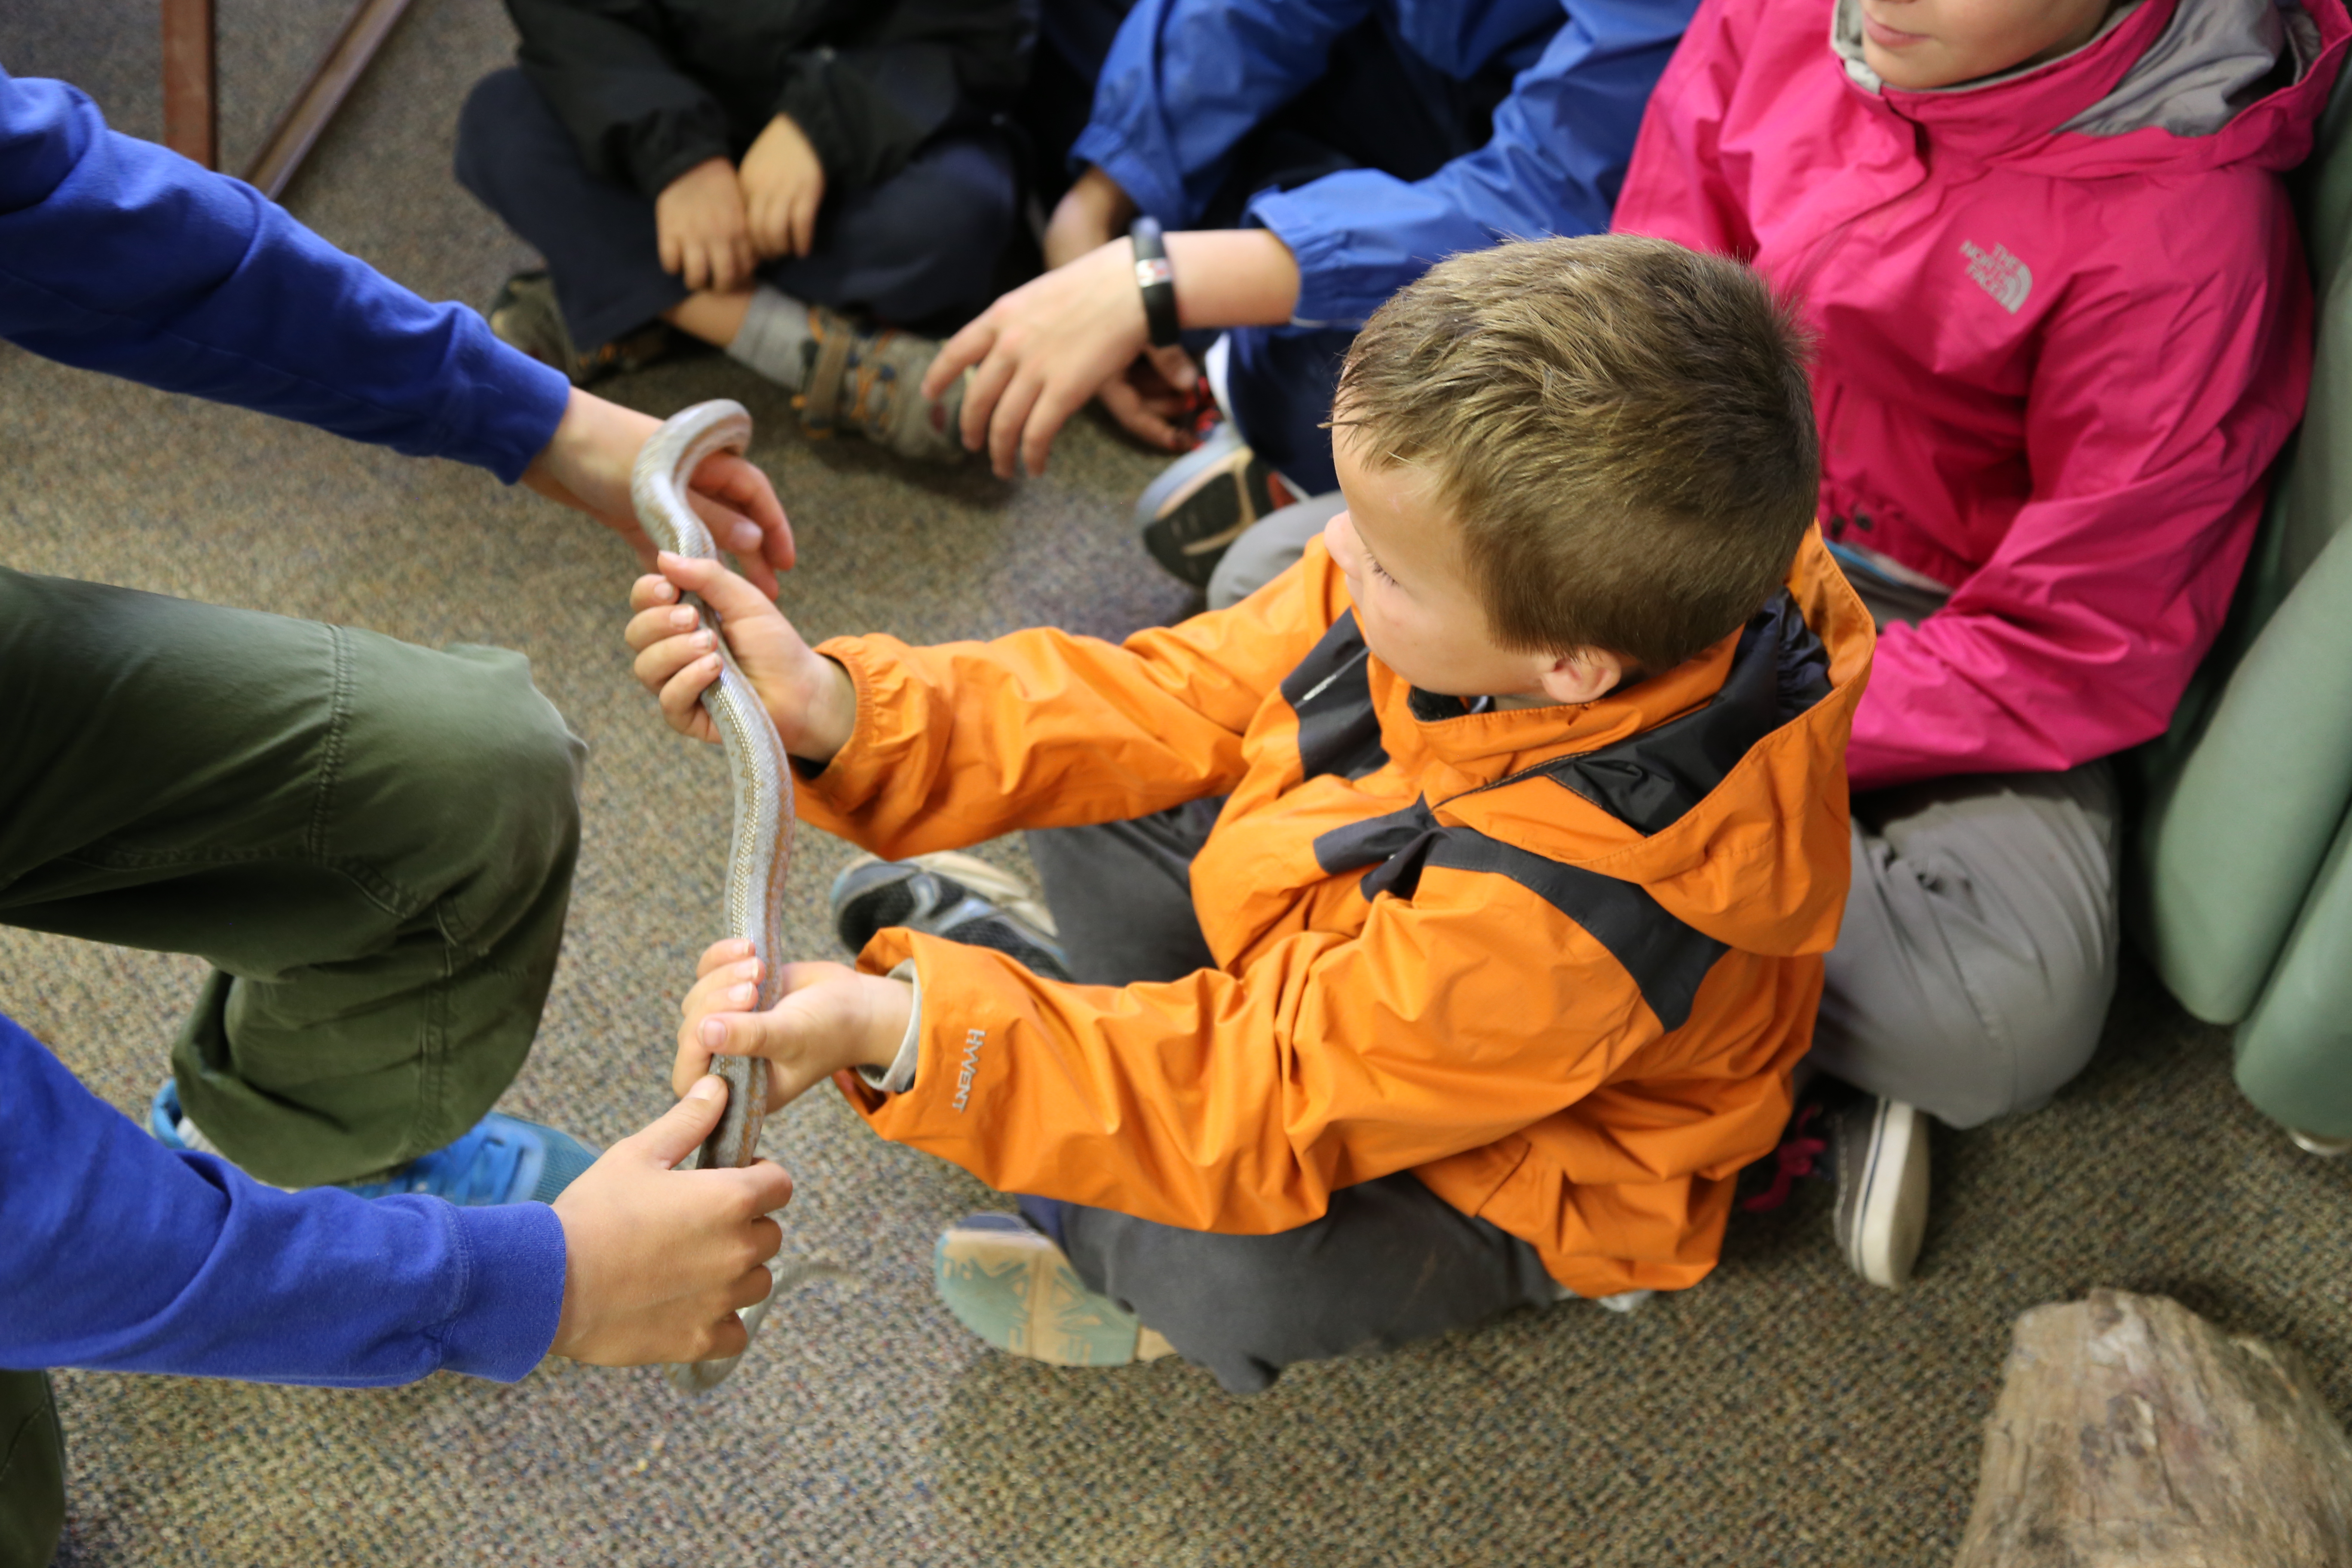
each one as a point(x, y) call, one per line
point(657, 1260)
point(811, 698)
point(831, 1017)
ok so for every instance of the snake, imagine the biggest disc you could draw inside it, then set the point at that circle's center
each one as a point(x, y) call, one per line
point(760, 847)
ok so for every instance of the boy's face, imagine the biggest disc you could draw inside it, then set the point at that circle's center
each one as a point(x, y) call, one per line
point(1923, 44)
point(1400, 549)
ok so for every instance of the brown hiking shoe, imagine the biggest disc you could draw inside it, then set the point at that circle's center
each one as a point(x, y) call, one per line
point(525, 316)
point(870, 380)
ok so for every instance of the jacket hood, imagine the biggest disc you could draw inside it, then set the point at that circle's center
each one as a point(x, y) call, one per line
point(1719, 788)
point(2165, 85)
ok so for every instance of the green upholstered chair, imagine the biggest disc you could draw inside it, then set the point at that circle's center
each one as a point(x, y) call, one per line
point(2241, 889)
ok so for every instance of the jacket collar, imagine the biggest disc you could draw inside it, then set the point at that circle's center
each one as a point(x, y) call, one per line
point(2015, 110)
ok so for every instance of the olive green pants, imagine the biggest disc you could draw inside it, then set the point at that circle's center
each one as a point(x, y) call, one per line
point(371, 843)
point(32, 1471)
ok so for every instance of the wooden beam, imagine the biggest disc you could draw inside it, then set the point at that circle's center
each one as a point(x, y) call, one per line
point(191, 117)
point(331, 82)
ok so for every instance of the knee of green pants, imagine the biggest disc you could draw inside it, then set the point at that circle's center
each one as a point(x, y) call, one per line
point(429, 908)
point(32, 1471)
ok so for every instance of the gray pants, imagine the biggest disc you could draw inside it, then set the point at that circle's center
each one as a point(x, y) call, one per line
point(1978, 957)
point(1389, 1262)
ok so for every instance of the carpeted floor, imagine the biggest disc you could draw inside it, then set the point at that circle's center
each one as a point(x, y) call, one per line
point(1780, 1413)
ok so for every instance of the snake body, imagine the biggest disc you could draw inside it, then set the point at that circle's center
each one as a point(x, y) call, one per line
point(760, 850)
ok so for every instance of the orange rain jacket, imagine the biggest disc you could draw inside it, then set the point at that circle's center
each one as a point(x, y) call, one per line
point(1557, 961)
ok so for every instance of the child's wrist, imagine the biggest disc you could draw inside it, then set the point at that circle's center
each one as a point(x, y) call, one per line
point(892, 1012)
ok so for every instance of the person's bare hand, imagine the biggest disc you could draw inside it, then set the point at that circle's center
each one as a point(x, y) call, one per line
point(657, 1261)
point(831, 1017)
point(1094, 211)
point(587, 467)
point(812, 699)
point(701, 229)
point(783, 186)
point(1043, 351)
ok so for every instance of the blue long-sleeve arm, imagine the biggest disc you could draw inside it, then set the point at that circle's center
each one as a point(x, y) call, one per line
point(120, 1254)
point(1186, 80)
point(1553, 165)
point(118, 256)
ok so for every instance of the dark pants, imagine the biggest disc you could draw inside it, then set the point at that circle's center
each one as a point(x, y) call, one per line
point(32, 1471)
point(1389, 1262)
point(920, 250)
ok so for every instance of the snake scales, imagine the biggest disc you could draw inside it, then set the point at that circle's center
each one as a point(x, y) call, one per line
point(759, 851)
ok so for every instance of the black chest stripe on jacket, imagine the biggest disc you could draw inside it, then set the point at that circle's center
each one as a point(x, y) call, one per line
point(1331, 692)
point(1777, 672)
point(1667, 959)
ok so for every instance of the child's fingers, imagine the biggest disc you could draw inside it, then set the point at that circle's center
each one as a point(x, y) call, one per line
point(681, 697)
point(803, 221)
point(959, 353)
point(730, 988)
point(658, 663)
point(729, 595)
point(651, 590)
point(729, 950)
point(648, 629)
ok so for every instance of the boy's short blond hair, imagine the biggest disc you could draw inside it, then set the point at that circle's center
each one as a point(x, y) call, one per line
point(1620, 427)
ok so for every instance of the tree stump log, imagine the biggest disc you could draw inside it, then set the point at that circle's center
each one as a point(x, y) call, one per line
point(2131, 1431)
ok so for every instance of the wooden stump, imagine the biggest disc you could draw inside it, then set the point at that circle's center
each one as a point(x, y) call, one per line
point(2131, 1431)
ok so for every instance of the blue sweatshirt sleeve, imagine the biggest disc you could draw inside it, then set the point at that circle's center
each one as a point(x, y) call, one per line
point(1553, 165)
point(125, 1255)
point(1186, 80)
point(118, 256)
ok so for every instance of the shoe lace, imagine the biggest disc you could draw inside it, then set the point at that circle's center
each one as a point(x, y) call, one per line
point(1794, 1158)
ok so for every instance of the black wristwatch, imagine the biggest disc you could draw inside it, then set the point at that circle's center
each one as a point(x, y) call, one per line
point(1156, 279)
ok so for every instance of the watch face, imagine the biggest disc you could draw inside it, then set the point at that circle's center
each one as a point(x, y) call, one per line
point(1152, 271)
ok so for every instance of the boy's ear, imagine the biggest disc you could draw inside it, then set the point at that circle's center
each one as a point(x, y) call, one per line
point(1585, 676)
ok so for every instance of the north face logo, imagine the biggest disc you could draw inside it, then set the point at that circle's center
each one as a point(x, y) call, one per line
point(1999, 274)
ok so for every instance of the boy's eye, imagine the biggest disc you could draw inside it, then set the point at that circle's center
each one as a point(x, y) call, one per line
point(1372, 561)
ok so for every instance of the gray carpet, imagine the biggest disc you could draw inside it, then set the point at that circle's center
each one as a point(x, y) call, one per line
point(1779, 1413)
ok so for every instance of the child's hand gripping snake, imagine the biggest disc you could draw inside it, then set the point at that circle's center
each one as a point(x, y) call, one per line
point(762, 847)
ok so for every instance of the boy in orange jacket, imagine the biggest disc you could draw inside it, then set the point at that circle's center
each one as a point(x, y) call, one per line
point(1483, 979)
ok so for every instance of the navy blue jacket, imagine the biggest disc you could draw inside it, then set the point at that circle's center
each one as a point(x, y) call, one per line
point(118, 256)
point(1187, 79)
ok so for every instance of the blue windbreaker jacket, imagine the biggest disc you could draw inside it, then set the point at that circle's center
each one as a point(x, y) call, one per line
point(1187, 79)
point(118, 256)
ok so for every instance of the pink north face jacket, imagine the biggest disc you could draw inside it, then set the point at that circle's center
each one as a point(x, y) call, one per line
point(2064, 325)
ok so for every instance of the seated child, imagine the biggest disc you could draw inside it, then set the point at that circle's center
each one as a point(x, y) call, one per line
point(748, 174)
point(2063, 327)
point(1483, 979)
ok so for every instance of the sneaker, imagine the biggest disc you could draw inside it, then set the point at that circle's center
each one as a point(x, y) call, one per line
point(1204, 501)
point(1013, 1288)
point(948, 895)
point(504, 1160)
point(1879, 1148)
point(870, 379)
point(525, 316)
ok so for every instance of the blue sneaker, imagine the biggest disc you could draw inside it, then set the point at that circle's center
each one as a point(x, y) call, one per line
point(1013, 1288)
point(504, 1160)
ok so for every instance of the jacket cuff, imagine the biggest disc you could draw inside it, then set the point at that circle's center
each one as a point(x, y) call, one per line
point(514, 1290)
point(859, 768)
point(510, 408)
point(1108, 151)
point(1319, 248)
